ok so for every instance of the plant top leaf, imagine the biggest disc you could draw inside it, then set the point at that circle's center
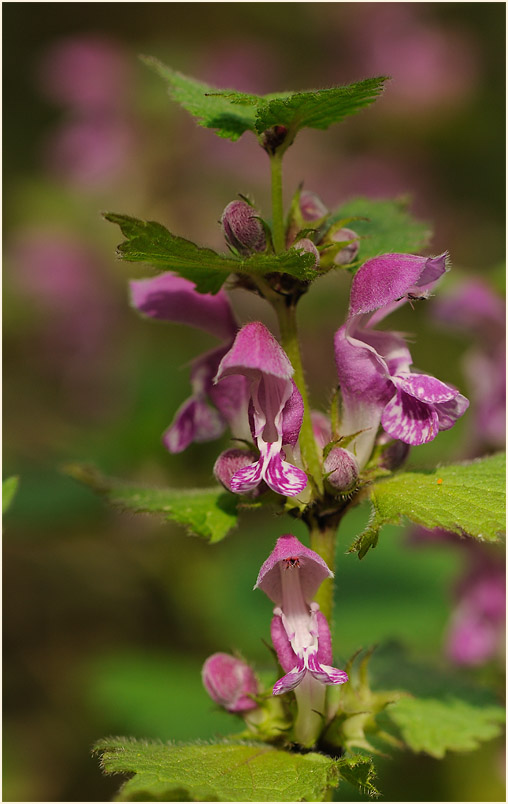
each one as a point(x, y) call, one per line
point(152, 243)
point(217, 772)
point(468, 499)
point(210, 513)
point(230, 113)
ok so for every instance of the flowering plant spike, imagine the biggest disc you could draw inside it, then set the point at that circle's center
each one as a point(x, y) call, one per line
point(249, 390)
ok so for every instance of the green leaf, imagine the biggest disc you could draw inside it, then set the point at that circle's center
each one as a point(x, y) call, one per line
point(467, 499)
point(229, 116)
point(388, 227)
point(437, 726)
point(316, 109)
point(359, 771)
point(445, 711)
point(231, 113)
point(150, 242)
point(9, 489)
point(210, 513)
point(220, 772)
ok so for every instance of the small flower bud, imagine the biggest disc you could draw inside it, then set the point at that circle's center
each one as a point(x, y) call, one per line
point(308, 245)
point(394, 455)
point(311, 206)
point(344, 470)
point(230, 682)
point(242, 228)
point(230, 462)
point(348, 253)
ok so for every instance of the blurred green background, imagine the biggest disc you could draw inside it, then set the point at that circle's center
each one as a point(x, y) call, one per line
point(109, 617)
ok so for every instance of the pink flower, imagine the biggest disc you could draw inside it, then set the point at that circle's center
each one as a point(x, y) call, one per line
point(276, 409)
point(291, 576)
point(376, 381)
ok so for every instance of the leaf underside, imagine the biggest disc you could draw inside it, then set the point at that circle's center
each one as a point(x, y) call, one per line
point(467, 499)
point(210, 513)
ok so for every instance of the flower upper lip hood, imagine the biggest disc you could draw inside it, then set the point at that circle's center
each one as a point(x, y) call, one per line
point(256, 351)
point(385, 282)
point(169, 297)
point(314, 569)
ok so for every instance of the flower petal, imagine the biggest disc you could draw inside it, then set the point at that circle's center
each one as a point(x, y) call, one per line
point(247, 478)
point(324, 654)
point(448, 412)
point(385, 280)
point(409, 419)
point(291, 679)
point(292, 417)
point(180, 432)
point(285, 653)
point(313, 570)
point(363, 373)
point(172, 298)
point(195, 421)
point(283, 477)
point(325, 673)
point(255, 351)
point(425, 388)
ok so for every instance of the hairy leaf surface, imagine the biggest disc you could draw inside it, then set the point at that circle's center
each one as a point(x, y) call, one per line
point(152, 243)
point(468, 499)
point(210, 513)
point(220, 772)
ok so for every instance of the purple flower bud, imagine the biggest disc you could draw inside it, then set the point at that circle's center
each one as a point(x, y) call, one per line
point(307, 245)
point(344, 469)
point(230, 682)
point(230, 462)
point(395, 454)
point(348, 253)
point(242, 228)
point(311, 206)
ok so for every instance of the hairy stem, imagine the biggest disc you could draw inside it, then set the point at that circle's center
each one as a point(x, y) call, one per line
point(322, 541)
point(277, 203)
point(289, 338)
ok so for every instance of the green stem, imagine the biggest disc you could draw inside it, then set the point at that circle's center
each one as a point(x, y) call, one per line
point(279, 243)
point(289, 338)
point(322, 541)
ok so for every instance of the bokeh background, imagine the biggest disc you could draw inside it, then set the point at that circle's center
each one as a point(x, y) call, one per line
point(107, 617)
